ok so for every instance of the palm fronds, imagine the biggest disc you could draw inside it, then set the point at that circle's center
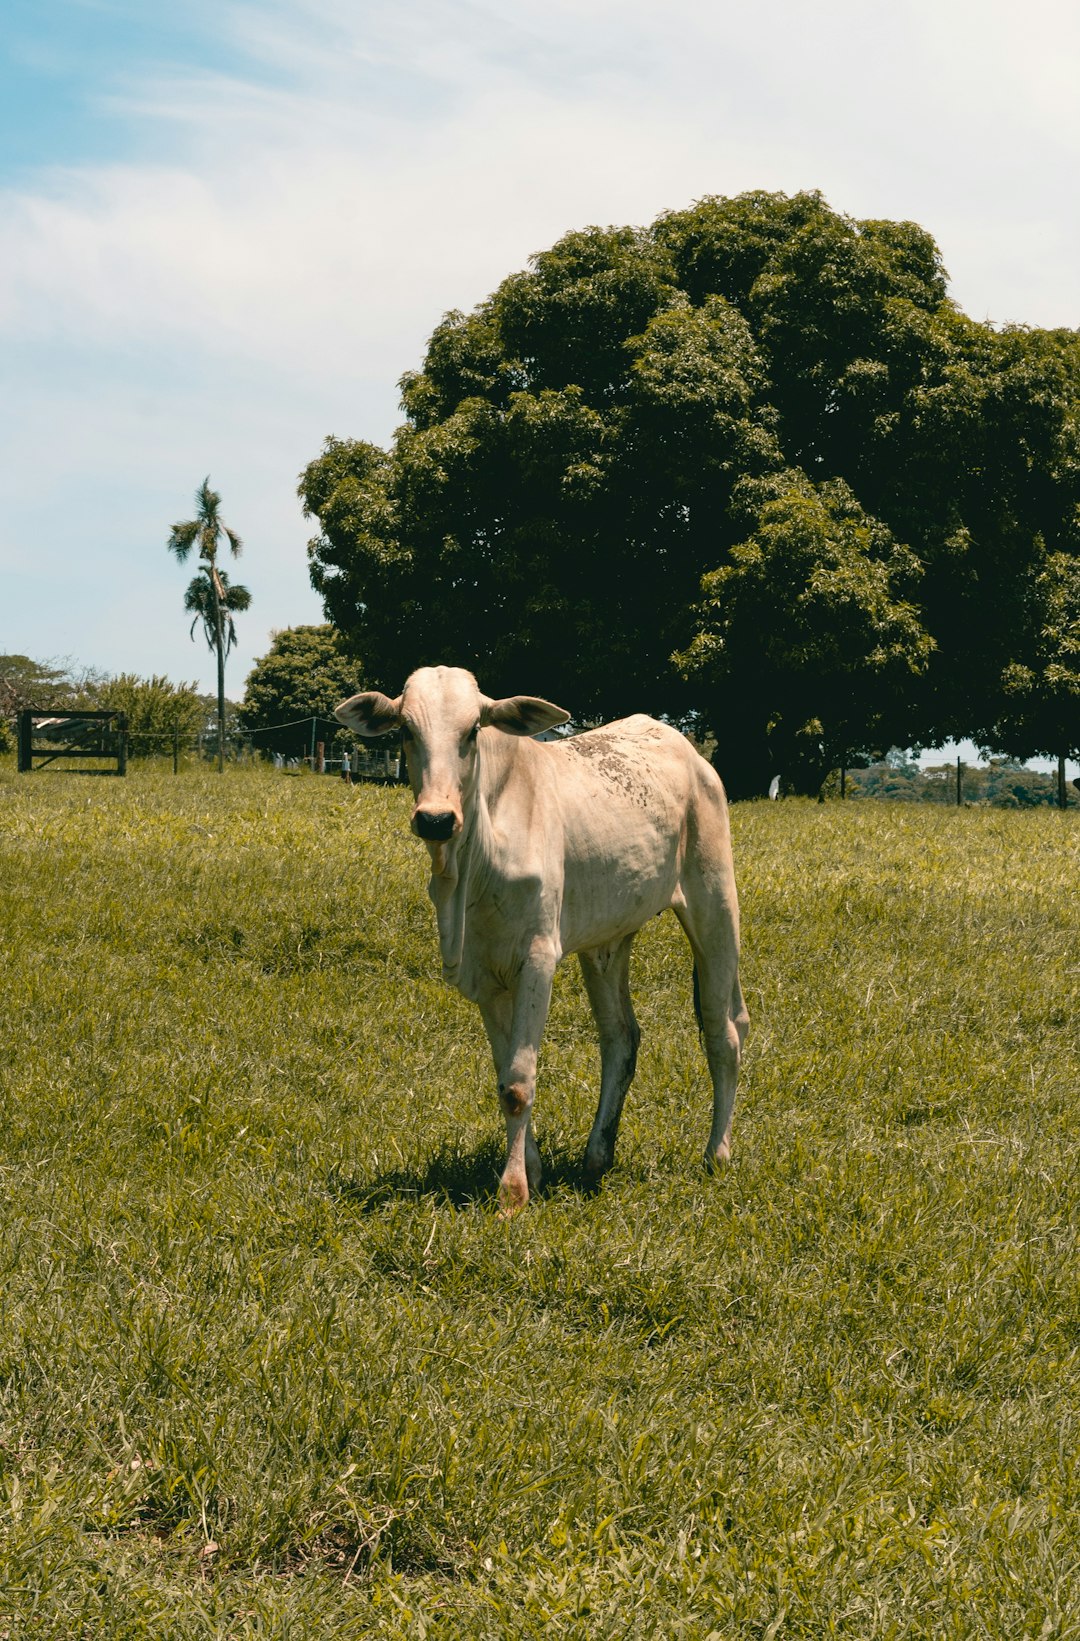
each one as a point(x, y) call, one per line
point(200, 601)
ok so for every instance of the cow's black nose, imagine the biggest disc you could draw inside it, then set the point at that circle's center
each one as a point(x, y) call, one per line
point(435, 825)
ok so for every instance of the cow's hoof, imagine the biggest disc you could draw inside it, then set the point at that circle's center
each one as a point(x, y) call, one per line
point(596, 1166)
point(513, 1195)
point(716, 1161)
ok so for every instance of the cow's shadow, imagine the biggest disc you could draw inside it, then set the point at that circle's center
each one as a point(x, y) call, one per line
point(457, 1179)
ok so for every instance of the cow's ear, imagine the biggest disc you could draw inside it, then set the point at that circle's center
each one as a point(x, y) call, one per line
point(370, 714)
point(522, 714)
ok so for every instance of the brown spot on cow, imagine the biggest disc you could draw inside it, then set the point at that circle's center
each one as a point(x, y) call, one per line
point(514, 1099)
point(590, 745)
point(610, 763)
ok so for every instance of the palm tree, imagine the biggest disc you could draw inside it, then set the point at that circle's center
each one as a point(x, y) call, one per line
point(213, 599)
point(209, 595)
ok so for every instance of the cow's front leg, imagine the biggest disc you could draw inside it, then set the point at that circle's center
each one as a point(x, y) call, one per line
point(517, 1079)
point(497, 1010)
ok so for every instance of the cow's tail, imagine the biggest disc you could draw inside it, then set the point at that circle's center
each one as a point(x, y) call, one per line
point(697, 1004)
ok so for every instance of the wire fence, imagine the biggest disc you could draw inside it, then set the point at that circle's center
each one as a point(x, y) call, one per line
point(319, 744)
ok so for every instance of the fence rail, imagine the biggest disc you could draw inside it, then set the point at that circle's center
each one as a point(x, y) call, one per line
point(47, 736)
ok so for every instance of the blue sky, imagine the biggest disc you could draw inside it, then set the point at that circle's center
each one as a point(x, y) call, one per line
point(229, 228)
point(66, 67)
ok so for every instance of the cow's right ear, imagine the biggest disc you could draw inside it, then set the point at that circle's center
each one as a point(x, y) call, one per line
point(370, 714)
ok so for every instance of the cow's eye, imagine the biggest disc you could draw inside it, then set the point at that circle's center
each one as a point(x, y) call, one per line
point(470, 738)
point(406, 734)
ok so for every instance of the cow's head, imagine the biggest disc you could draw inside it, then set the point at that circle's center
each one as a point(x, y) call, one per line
point(440, 714)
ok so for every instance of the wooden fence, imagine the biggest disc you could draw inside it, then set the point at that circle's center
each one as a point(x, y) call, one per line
point(45, 737)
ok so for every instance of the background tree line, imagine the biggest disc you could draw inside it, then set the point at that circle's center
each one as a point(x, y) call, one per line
point(1004, 783)
point(304, 674)
point(749, 467)
point(156, 708)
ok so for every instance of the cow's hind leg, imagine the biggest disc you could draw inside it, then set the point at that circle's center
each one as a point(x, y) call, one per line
point(607, 980)
point(720, 1009)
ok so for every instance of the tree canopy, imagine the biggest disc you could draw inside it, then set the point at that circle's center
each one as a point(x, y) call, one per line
point(25, 682)
point(305, 674)
point(156, 708)
point(749, 465)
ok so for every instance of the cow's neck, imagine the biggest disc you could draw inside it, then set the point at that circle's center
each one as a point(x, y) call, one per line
point(458, 866)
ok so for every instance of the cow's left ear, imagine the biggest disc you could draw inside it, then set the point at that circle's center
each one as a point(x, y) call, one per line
point(522, 714)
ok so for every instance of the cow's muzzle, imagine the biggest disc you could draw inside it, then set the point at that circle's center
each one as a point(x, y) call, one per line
point(435, 825)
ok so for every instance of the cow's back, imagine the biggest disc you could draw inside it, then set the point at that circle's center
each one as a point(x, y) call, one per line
point(622, 804)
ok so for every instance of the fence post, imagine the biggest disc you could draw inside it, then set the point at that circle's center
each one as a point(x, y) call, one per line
point(26, 742)
point(959, 784)
point(1062, 795)
point(176, 749)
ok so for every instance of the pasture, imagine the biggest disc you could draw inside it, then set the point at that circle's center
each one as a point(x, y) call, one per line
point(270, 1365)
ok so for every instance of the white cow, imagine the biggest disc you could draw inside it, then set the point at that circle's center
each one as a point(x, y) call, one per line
point(540, 849)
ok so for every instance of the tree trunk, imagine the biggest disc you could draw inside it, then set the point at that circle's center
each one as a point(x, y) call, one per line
point(742, 758)
point(220, 647)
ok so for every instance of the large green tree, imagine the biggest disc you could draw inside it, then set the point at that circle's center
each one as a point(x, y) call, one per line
point(1038, 708)
point(750, 463)
point(806, 629)
point(210, 596)
point(1035, 708)
point(305, 674)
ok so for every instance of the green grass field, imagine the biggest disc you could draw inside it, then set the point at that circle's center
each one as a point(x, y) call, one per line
point(271, 1365)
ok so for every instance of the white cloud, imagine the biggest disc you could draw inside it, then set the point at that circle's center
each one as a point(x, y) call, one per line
point(421, 153)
